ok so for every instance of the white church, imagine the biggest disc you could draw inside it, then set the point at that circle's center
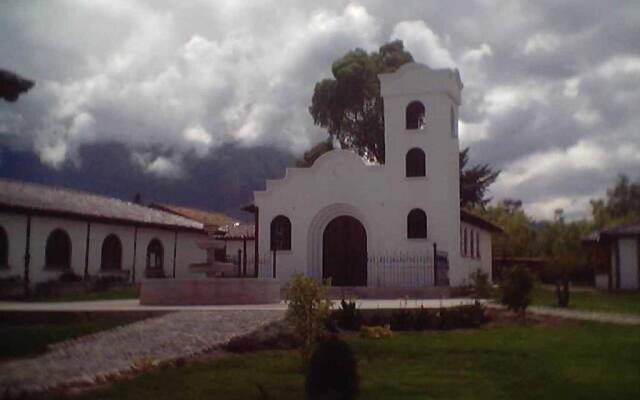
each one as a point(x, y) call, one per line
point(379, 226)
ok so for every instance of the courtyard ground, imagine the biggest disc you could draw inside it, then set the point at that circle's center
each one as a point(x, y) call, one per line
point(135, 346)
point(560, 360)
point(589, 299)
point(30, 339)
point(127, 292)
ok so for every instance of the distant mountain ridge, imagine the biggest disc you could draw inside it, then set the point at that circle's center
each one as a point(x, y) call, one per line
point(222, 181)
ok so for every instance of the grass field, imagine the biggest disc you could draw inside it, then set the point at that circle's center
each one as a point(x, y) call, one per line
point(595, 300)
point(582, 361)
point(24, 340)
point(129, 292)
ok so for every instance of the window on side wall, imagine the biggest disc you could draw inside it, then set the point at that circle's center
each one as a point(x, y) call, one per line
point(415, 163)
point(464, 243)
point(416, 224)
point(280, 233)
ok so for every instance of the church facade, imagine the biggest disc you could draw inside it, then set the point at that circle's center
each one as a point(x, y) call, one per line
point(382, 225)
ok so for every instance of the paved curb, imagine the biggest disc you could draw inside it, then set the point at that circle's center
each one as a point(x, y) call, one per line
point(595, 316)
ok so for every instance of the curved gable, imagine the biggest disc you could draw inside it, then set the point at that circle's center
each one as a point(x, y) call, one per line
point(331, 163)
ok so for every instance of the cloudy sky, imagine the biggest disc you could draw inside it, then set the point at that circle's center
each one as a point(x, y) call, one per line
point(552, 89)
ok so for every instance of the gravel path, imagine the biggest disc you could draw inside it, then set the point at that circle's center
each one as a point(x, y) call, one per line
point(619, 319)
point(141, 344)
point(595, 316)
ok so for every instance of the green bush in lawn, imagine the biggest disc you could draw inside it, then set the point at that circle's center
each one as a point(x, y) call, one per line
point(462, 317)
point(419, 319)
point(308, 310)
point(515, 289)
point(332, 372)
point(348, 316)
point(481, 285)
point(402, 319)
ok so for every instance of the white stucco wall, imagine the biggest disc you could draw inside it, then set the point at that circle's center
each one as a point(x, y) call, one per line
point(16, 228)
point(628, 250)
point(380, 196)
point(469, 263)
point(15, 225)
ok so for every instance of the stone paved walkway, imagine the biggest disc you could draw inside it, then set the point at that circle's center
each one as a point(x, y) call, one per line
point(149, 342)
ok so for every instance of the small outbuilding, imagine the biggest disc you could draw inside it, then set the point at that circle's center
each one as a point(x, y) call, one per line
point(622, 245)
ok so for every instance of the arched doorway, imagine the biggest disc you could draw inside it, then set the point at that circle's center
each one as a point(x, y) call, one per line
point(344, 252)
point(111, 253)
point(58, 250)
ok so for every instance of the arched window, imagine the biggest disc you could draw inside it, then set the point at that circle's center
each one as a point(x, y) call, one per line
point(416, 224)
point(58, 250)
point(464, 246)
point(415, 115)
point(111, 253)
point(454, 124)
point(155, 255)
point(472, 243)
point(280, 233)
point(416, 164)
point(4, 248)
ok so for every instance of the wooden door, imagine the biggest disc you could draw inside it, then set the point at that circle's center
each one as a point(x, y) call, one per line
point(344, 252)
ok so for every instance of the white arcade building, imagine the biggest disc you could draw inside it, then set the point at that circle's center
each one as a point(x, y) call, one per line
point(371, 225)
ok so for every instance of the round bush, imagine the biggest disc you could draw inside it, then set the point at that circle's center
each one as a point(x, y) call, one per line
point(332, 372)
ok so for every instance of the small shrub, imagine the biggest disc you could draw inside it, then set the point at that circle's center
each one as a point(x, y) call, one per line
point(348, 316)
point(376, 318)
point(276, 335)
point(462, 317)
point(108, 282)
point(376, 332)
point(516, 287)
point(332, 372)
point(481, 285)
point(69, 276)
point(424, 319)
point(10, 280)
point(308, 310)
point(402, 320)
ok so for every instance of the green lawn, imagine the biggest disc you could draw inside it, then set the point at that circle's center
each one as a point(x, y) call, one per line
point(129, 292)
point(597, 300)
point(583, 361)
point(31, 339)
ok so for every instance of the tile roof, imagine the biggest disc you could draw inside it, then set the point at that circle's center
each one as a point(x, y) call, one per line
point(473, 219)
point(208, 218)
point(630, 229)
point(48, 200)
point(238, 232)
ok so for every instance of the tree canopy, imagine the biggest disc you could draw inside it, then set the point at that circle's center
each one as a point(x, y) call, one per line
point(13, 85)
point(350, 107)
point(622, 204)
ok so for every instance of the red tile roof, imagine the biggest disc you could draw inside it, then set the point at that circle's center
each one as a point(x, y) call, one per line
point(208, 218)
point(31, 198)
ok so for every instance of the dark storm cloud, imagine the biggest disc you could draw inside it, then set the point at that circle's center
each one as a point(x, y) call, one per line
point(550, 98)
